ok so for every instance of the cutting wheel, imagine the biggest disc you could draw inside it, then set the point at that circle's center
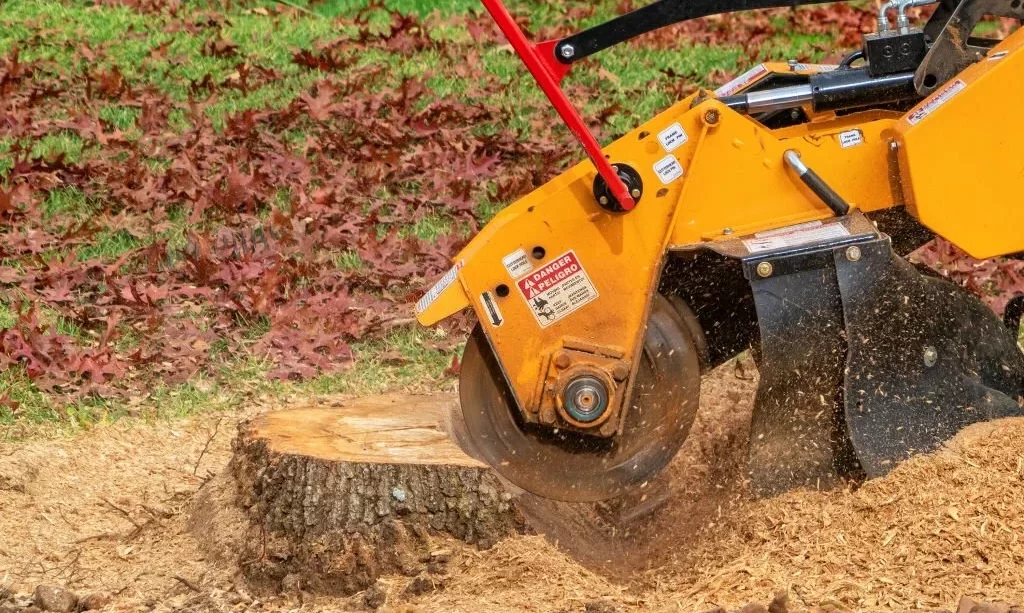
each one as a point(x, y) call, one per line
point(573, 467)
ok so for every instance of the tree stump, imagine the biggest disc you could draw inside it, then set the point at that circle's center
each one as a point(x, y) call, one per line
point(333, 497)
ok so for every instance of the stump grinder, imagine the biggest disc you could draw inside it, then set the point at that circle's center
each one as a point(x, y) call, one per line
point(771, 215)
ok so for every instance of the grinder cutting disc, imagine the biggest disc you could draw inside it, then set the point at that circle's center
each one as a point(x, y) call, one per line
point(574, 467)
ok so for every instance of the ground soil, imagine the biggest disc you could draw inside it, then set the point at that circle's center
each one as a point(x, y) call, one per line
point(109, 512)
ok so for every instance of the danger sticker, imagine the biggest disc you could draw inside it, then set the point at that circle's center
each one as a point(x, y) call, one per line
point(794, 236)
point(741, 82)
point(668, 169)
point(672, 137)
point(932, 104)
point(442, 284)
point(850, 138)
point(517, 264)
point(557, 289)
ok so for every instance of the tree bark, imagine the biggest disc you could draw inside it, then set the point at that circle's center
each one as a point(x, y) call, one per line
point(335, 497)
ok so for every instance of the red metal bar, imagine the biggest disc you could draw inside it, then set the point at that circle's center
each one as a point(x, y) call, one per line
point(548, 71)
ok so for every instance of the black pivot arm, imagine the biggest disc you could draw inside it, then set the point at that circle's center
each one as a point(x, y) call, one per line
point(656, 15)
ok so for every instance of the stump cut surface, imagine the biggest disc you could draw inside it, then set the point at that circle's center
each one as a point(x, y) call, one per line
point(334, 495)
point(386, 430)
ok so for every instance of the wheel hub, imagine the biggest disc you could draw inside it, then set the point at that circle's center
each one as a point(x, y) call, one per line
point(579, 464)
point(585, 399)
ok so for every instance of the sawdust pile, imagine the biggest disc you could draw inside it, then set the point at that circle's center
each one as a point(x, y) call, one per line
point(108, 513)
point(937, 528)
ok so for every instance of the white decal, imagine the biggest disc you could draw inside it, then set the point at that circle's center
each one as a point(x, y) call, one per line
point(557, 289)
point(850, 138)
point(517, 264)
point(441, 285)
point(668, 169)
point(492, 310)
point(939, 98)
point(998, 56)
point(742, 81)
point(672, 137)
point(789, 229)
point(794, 236)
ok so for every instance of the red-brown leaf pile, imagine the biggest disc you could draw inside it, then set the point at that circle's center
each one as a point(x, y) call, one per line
point(283, 233)
point(268, 205)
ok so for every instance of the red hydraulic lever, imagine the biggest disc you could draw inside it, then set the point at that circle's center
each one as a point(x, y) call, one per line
point(548, 72)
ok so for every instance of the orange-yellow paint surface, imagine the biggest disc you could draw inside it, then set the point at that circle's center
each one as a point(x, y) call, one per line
point(733, 182)
point(962, 161)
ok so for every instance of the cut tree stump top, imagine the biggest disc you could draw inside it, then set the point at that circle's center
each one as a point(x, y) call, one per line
point(390, 429)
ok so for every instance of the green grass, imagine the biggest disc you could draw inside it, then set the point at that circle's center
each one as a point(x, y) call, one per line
point(374, 370)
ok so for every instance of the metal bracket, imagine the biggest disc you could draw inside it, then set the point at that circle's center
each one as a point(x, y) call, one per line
point(866, 361)
point(954, 49)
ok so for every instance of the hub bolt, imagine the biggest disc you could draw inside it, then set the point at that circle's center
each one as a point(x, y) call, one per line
point(567, 51)
point(585, 399)
point(764, 269)
point(853, 253)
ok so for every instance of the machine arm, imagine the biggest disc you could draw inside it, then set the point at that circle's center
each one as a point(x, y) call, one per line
point(652, 17)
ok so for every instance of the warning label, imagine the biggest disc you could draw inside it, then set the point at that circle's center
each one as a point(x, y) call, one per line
point(672, 137)
point(517, 264)
point(742, 81)
point(668, 169)
point(557, 289)
point(851, 138)
point(939, 98)
point(794, 236)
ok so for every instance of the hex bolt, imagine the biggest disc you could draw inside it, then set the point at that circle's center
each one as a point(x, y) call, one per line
point(853, 253)
point(562, 360)
point(930, 355)
point(764, 269)
point(567, 51)
point(620, 371)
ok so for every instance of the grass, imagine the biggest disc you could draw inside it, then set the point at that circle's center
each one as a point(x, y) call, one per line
point(156, 50)
point(403, 360)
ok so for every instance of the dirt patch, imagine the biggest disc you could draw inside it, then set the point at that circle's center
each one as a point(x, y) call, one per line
point(108, 512)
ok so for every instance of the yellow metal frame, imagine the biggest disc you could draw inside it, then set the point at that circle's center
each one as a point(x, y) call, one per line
point(734, 182)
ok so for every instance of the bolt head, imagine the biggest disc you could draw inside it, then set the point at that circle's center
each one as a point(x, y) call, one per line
point(603, 200)
point(635, 193)
point(853, 253)
point(764, 269)
point(567, 51)
point(562, 360)
point(930, 355)
point(711, 117)
point(727, 231)
point(620, 371)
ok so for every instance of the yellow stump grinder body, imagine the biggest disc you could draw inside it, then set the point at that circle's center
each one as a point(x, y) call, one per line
point(771, 214)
